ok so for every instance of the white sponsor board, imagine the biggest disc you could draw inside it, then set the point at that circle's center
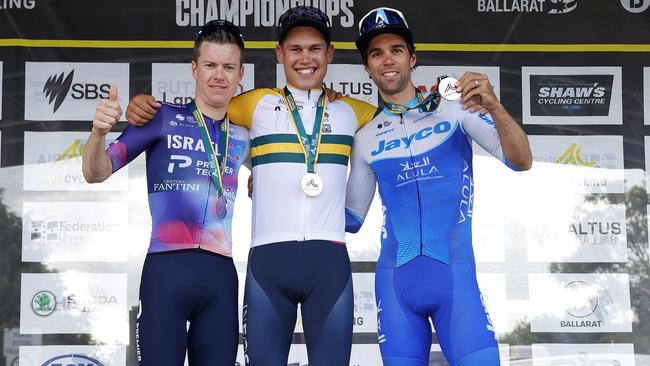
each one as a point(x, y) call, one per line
point(92, 303)
point(350, 80)
point(56, 91)
point(583, 354)
point(646, 95)
point(362, 355)
point(576, 164)
point(488, 208)
point(75, 231)
point(436, 358)
point(73, 355)
point(572, 95)
point(493, 290)
point(365, 308)
point(589, 232)
point(424, 77)
point(173, 82)
point(53, 163)
point(646, 141)
point(579, 303)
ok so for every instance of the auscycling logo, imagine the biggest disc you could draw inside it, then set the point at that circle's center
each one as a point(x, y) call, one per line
point(572, 156)
point(527, 6)
point(57, 87)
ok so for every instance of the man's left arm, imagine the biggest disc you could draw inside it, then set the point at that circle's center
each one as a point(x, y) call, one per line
point(476, 90)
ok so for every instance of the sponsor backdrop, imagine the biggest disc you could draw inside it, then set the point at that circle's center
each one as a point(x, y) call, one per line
point(561, 250)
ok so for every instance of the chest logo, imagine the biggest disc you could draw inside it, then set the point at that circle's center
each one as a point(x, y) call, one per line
point(405, 142)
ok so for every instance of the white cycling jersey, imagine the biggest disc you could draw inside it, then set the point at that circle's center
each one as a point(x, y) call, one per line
point(281, 210)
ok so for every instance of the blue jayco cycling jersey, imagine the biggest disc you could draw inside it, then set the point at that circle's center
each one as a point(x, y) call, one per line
point(422, 161)
point(423, 164)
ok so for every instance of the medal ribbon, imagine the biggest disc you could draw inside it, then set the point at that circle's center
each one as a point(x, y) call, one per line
point(309, 143)
point(428, 104)
point(216, 169)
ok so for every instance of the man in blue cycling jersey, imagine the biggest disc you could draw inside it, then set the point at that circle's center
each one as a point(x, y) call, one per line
point(419, 150)
point(193, 158)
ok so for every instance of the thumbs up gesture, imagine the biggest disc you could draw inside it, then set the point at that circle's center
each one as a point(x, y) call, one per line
point(107, 114)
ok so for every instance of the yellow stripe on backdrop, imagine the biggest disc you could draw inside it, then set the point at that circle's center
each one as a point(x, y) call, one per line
point(440, 47)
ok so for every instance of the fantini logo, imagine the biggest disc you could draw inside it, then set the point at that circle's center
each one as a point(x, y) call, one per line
point(57, 87)
point(572, 157)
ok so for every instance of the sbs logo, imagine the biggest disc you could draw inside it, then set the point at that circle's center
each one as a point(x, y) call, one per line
point(635, 6)
point(57, 87)
point(72, 359)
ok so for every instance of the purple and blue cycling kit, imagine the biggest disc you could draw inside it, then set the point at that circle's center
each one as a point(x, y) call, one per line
point(182, 197)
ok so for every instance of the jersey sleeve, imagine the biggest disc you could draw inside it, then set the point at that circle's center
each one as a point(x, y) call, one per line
point(364, 112)
point(360, 188)
point(133, 141)
point(480, 128)
point(242, 107)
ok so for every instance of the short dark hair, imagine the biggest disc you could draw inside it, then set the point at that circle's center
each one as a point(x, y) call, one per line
point(219, 32)
point(364, 53)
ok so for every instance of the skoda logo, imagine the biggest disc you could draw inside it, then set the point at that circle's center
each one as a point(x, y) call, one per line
point(43, 303)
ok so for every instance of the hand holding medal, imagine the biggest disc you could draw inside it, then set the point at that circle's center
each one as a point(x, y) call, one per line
point(474, 90)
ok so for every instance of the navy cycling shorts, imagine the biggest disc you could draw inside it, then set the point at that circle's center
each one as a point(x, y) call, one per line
point(422, 289)
point(315, 274)
point(183, 286)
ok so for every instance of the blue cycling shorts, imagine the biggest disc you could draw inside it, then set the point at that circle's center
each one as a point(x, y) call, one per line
point(194, 286)
point(425, 289)
point(315, 274)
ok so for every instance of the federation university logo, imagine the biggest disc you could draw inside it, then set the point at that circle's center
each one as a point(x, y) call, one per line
point(56, 89)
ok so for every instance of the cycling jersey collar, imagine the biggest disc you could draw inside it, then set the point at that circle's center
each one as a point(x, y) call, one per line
point(300, 94)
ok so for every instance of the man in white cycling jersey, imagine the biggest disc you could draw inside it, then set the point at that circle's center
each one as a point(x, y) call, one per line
point(300, 147)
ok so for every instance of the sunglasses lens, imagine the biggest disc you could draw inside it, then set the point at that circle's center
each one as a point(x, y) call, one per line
point(214, 26)
point(380, 18)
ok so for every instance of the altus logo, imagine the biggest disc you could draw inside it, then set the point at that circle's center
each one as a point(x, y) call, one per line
point(572, 157)
point(57, 87)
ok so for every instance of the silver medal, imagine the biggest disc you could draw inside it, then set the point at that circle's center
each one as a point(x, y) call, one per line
point(447, 89)
point(311, 184)
point(221, 207)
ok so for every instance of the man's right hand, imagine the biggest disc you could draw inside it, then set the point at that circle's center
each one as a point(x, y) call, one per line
point(141, 109)
point(107, 114)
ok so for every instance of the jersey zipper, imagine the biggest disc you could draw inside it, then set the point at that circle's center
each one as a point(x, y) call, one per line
point(417, 182)
point(207, 200)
